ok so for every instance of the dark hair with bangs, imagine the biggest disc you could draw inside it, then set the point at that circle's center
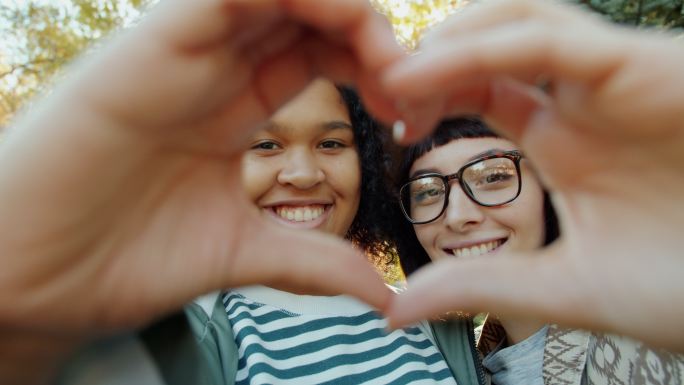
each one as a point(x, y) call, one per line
point(411, 254)
point(374, 220)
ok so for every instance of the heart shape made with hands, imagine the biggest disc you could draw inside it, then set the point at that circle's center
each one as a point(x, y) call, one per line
point(132, 165)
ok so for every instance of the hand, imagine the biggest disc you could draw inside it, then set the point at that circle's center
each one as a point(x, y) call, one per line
point(120, 194)
point(607, 137)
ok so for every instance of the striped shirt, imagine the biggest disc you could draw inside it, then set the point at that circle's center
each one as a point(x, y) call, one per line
point(294, 339)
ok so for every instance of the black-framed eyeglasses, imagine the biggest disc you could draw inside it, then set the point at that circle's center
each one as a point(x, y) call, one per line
point(492, 180)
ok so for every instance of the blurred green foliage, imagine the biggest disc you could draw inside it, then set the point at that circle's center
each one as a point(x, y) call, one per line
point(667, 14)
point(41, 37)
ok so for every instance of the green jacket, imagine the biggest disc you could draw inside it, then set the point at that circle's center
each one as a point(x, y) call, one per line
point(199, 348)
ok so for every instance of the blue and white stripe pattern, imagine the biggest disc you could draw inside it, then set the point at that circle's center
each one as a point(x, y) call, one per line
point(307, 343)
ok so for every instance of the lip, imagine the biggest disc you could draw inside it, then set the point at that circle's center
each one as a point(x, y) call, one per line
point(448, 248)
point(297, 202)
point(270, 211)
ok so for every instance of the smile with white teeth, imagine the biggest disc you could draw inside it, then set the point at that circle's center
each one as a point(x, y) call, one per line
point(476, 250)
point(300, 213)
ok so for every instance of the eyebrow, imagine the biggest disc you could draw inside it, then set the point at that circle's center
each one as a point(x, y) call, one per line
point(476, 156)
point(326, 126)
point(337, 124)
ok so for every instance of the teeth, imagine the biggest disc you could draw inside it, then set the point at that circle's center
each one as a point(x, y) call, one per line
point(301, 213)
point(476, 250)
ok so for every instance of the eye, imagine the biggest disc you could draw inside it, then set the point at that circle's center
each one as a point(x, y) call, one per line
point(491, 174)
point(266, 145)
point(329, 144)
point(495, 179)
point(498, 177)
point(427, 191)
point(427, 195)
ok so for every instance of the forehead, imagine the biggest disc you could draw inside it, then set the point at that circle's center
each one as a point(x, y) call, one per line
point(448, 158)
point(320, 102)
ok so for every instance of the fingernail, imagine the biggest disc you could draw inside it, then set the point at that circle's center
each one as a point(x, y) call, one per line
point(398, 131)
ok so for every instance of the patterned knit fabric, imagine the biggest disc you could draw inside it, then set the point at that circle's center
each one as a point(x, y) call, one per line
point(317, 340)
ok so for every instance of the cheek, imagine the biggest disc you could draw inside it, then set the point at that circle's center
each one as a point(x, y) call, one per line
point(257, 178)
point(426, 235)
point(527, 219)
point(345, 176)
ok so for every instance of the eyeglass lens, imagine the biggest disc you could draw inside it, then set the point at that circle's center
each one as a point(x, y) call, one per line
point(489, 182)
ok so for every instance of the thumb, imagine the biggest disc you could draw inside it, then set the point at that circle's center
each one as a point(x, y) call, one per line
point(308, 262)
point(531, 286)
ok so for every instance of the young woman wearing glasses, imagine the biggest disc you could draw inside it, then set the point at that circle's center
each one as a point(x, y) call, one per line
point(466, 193)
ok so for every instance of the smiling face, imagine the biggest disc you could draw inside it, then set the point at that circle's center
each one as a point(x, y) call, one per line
point(303, 169)
point(466, 229)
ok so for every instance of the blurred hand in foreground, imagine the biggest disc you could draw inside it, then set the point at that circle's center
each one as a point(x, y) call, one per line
point(600, 110)
point(120, 193)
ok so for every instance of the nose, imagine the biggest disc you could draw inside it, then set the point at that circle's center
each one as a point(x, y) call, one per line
point(301, 170)
point(462, 214)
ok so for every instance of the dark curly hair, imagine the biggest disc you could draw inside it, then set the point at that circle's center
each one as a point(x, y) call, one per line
point(372, 226)
point(411, 254)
